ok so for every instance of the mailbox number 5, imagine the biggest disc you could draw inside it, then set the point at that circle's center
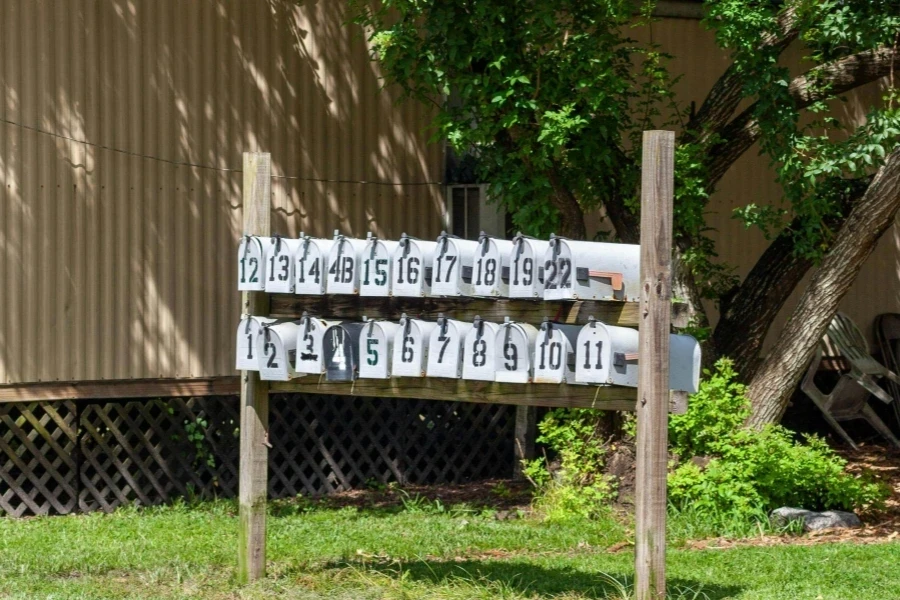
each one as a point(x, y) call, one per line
point(372, 352)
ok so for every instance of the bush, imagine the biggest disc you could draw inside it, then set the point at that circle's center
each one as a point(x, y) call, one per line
point(750, 471)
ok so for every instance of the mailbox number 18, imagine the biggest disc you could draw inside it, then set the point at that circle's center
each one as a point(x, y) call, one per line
point(490, 271)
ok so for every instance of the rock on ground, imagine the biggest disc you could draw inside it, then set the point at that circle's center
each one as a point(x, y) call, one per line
point(814, 521)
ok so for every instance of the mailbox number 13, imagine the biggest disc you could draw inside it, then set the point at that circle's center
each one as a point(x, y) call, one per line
point(285, 261)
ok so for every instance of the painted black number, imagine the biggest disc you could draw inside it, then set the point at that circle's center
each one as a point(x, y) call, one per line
point(479, 356)
point(407, 353)
point(268, 348)
point(253, 263)
point(511, 354)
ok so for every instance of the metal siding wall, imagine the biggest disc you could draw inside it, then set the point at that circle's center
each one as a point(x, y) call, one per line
point(116, 266)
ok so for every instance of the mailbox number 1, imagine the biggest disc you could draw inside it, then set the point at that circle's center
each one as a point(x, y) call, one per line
point(587, 354)
point(253, 263)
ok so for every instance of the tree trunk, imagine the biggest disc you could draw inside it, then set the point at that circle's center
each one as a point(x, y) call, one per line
point(780, 372)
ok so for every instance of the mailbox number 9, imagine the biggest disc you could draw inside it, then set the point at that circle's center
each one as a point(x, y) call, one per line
point(479, 356)
point(412, 270)
point(285, 262)
point(407, 354)
point(527, 271)
point(253, 263)
point(511, 354)
point(490, 271)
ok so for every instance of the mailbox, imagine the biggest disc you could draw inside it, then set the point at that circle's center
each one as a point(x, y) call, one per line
point(340, 351)
point(526, 267)
point(411, 267)
point(513, 351)
point(490, 271)
point(310, 265)
point(451, 273)
point(279, 257)
point(310, 337)
point(276, 347)
point(478, 351)
point(609, 354)
point(343, 265)
point(591, 270)
point(554, 353)
point(445, 348)
point(251, 264)
point(411, 347)
point(375, 274)
point(247, 332)
point(375, 349)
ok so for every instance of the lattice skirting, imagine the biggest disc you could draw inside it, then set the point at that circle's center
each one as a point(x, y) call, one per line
point(65, 457)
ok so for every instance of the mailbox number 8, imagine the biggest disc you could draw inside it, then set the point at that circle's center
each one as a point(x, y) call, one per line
point(479, 356)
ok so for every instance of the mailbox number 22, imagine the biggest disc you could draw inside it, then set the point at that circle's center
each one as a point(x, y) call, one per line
point(562, 269)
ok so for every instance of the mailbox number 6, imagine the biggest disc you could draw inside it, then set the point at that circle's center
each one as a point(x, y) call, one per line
point(407, 355)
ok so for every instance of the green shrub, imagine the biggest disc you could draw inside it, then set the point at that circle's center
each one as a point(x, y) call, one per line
point(750, 471)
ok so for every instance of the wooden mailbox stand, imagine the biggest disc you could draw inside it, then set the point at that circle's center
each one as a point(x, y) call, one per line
point(652, 399)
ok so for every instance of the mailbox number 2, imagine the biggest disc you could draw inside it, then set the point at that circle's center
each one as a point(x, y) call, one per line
point(253, 263)
point(562, 269)
point(269, 350)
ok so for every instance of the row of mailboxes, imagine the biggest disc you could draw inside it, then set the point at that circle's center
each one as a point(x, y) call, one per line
point(558, 269)
point(595, 353)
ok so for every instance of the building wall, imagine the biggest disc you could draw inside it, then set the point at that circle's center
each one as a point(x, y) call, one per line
point(116, 258)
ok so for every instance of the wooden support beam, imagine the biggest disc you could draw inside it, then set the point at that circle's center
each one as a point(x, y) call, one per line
point(623, 314)
point(125, 388)
point(526, 432)
point(254, 461)
point(657, 183)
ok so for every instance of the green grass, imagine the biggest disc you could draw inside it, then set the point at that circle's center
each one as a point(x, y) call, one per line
point(423, 551)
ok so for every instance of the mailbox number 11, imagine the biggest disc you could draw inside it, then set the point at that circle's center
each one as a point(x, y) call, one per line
point(587, 355)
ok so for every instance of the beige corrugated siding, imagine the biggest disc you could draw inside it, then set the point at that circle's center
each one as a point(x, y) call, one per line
point(116, 266)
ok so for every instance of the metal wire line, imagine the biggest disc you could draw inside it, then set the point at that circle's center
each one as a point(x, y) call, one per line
point(199, 166)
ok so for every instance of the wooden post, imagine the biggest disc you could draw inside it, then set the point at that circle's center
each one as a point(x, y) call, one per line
point(657, 184)
point(526, 432)
point(254, 461)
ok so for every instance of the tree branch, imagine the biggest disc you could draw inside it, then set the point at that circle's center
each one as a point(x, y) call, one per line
point(819, 83)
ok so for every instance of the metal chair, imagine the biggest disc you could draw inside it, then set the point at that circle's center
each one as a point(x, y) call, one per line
point(848, 400)
point(887, 334)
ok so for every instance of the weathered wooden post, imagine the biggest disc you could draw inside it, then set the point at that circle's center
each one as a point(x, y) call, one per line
point(254, 392)
point(526, 432)
point(657, 182)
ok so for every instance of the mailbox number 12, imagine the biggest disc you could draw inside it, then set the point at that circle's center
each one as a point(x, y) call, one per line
point(253, 262)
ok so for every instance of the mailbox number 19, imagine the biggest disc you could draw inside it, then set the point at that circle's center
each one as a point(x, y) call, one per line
point(527, 271)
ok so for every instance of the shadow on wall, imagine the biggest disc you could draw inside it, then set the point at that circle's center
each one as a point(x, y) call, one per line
point(116, 265)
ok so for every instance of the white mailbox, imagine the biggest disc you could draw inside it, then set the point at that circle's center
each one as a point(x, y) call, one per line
point(280, 264)
point(310, 265)
point(343, 265)
point(376, 345)
point(445, 348)
point(411, 347)
point(310, 352)
point(554, 353)
point(609, 354)
point(247, 333)
point(478, 351)
point(276, 347)
point(591, 270)
point(251, 264)
point(451, 273)
point(490, 269)
point(526, 267)
point(513, 351)
point(375, 275)
point(411, 267)
point(340, 350)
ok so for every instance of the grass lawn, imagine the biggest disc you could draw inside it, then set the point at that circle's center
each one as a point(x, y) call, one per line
point(421, 551)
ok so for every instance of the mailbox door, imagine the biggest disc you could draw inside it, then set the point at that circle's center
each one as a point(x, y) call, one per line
point(452, 267)
point(280, 265)
point(684, 363)
point(276, 347)
point(343, 266)
point(554, 353)
point(478, 352)
point(605, 271)
point(526, 270)
point(375, 347)
point(410, 352)
point(251, 264)
point(247, 333)
point(445, 348)
point(514, 348)
point(309, 267)
point(375, 272)
point(411, 260)
point(595, 355)
point(310, 335)
point(559, 271)
point(490, 271)
point(340, 350)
